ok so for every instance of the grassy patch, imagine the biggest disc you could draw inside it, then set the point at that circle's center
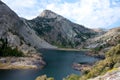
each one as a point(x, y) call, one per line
point(112, 60)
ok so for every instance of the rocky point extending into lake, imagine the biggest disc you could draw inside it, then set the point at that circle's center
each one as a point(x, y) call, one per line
point(31, 62)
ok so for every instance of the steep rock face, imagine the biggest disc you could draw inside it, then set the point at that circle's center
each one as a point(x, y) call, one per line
point(8, 25)
point(11, 24)
point(8, 19)
point(59, 31)
point(30, 37)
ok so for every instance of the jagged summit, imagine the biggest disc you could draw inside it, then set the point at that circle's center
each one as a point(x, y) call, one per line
point(50, 14)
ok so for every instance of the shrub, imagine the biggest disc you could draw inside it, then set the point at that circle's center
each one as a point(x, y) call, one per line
point(44, 77)
point(112, 60)
point(72, 77)
point(5, 50)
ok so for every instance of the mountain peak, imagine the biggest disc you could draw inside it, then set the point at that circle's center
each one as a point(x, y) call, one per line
point(48, 11)
point(50, 14)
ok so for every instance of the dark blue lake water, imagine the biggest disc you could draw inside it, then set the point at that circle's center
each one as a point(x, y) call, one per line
point(59, 65)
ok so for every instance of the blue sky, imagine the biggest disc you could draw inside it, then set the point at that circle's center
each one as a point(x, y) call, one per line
point(90, 13)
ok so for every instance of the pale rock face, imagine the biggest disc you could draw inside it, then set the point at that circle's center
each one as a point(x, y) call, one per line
point(13, 40)
point(50, 14)
point(8, 19)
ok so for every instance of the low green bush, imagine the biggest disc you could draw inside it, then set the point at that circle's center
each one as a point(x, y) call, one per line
point(72, 77)
point(5, 50)
point(111, 61)
point(44, 77)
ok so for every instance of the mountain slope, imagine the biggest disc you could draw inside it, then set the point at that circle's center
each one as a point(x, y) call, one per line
point(32, 38)
point(59, 31)
point(107, 40)
point(16, 36)
point(10, 22)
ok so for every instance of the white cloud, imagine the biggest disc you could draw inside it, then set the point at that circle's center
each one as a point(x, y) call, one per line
point(91, 13)
point(20, 3)
point(24, 8)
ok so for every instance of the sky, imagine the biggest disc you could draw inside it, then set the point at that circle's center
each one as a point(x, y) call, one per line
point(90, 13)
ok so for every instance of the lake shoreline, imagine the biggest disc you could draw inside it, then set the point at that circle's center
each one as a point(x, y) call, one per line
point(30, 62)
point(35, 61)
point(65, 49)
point(88, 51)
point(58, 65)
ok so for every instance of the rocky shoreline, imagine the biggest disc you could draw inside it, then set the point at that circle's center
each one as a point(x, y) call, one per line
point(98, 55)
point(87, 66)
point(81, 67)
point(34, 61)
